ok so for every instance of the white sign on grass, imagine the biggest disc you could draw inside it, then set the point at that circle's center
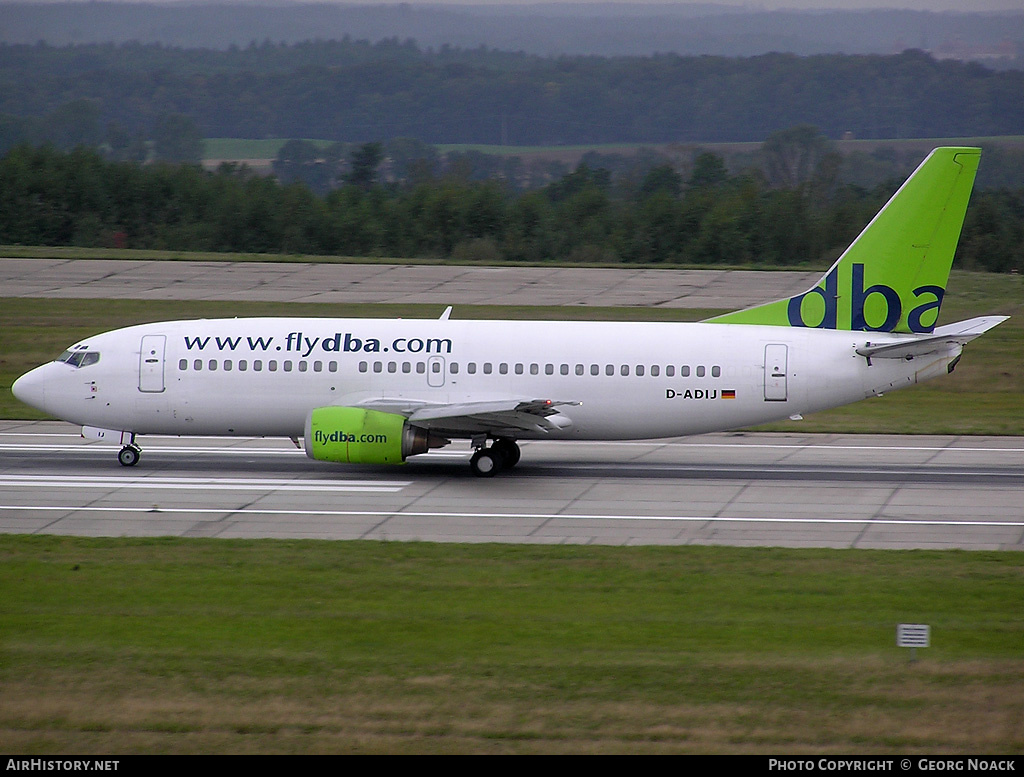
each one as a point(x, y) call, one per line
point(913, 635)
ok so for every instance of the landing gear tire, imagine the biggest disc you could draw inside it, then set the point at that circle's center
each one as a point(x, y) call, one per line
point(508, 450)
point(129, 456)
point(485, 463)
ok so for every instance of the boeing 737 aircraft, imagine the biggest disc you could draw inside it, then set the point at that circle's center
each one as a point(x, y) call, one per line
point(379, 391)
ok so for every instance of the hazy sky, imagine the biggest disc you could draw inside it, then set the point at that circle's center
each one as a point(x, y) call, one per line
point(917, 5)
point(767, 5)
point(770, 5)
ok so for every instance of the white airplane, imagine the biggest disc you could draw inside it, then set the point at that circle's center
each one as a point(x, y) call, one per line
point(379, 391)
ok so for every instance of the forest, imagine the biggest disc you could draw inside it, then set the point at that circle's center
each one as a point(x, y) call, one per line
point(102, 147)
point(799, 215)
point(357, 91)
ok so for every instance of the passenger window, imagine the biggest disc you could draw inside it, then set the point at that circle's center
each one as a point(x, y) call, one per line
point(471, 368)
point(564, 369)
point(257, 365)
point(684, 371)
point(609, 369)
point(534, 369)
point(213, 364)
point(243, 365)
point(421, 368)
point(227, 365)
point(333, 367)
point(287, 366)
point(670, 371)
point(272, 365)
point(716, 372)
point(197, 365)
point(595, 369)
point(454, 368)
point(519, 369)
point(378, 366)
point(406, 367)
point(303, 366)
point(579, 369)
point(549, 369)
point(624, 370)
point(392, 367)
point(363, 366)
point(640, 369)
point(700, 371)
point(503, 368)
point(655, 370)
point(183, 365)
point(487, 368)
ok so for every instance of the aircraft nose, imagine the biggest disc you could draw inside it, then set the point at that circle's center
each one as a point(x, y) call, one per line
point(30, 388)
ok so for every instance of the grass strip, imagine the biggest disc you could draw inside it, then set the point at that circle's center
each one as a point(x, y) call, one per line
point(200, 646)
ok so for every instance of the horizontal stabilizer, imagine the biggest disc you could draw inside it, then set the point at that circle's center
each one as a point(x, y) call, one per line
point(941, 339)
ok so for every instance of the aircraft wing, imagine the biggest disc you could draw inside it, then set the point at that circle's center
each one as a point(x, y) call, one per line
point(940, 340)
point(502, 418)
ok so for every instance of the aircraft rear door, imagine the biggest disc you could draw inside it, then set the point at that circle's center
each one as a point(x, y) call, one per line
point(776, 356)
point(151, 364)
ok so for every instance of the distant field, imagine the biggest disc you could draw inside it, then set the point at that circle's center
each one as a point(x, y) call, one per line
point(242, 149)
point(245, 148)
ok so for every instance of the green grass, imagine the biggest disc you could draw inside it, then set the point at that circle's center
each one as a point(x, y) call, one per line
point(985, 395)
point(171, 645)
point(247, 148)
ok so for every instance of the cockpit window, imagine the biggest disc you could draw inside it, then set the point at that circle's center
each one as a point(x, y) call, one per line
point(79, 358)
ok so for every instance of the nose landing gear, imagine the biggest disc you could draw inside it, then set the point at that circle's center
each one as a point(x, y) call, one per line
point(129, 454)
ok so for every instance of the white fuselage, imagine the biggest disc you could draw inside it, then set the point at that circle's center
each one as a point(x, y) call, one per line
point(263, 376)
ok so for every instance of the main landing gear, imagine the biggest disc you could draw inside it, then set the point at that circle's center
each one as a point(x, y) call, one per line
point(488, 461)
point(130, 453)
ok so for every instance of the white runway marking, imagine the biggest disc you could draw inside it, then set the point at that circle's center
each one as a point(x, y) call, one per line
point(109, 450)
point(155, 444)
point(529, 516)
point(204, 484)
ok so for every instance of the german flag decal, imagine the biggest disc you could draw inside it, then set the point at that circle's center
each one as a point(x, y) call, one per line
point(728, 394)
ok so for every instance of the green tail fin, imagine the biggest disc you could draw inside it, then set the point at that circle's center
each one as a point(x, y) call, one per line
point(893, 276)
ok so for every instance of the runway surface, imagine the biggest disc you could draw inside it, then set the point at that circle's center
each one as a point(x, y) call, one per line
point(854, 491)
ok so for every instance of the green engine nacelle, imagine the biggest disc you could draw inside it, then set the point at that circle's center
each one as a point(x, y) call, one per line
point(358, 436)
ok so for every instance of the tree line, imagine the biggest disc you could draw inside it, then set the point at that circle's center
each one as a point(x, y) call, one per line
point(708, 216)
point(355, 91)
